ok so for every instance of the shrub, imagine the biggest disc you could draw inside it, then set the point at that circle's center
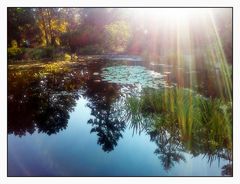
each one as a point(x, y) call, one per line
point(14, 52)
point(39, 53)
point(35, 54)
point(48, 52)
point(91, 49)
point(67, 57)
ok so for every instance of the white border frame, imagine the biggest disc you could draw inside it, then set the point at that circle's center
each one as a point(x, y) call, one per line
point(123, 3)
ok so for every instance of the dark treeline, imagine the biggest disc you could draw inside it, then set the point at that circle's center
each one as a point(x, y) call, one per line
point(115, 30)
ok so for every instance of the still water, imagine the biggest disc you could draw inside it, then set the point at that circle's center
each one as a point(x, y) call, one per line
point(75, 123)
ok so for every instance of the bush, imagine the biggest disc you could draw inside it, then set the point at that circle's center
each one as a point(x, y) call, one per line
point(62, 56)
point(35, 54)
point(67, 57)
point(39, 53)
point(48, 52)
point(91, 49)
point(14, 52)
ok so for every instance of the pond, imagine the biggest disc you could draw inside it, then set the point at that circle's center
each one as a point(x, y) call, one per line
point(79, 119)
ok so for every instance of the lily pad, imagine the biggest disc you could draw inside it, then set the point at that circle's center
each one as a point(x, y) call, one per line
point(133, 75)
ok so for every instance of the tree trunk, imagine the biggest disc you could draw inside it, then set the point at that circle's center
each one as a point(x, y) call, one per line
point(44, 25)
point(52, 39)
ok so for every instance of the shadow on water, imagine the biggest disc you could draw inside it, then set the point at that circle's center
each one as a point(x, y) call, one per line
point(42, 102)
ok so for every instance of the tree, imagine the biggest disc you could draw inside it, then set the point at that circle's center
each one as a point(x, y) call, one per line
point(52, 25)
point(117, 36)
point(22, 26)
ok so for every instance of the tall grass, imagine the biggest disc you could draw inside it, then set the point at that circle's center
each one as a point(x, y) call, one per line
point(195, 116)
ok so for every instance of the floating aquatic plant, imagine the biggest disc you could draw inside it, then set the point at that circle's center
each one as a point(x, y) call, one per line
point(133, 75)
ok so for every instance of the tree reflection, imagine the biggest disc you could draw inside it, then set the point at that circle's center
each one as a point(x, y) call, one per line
point(169, 147)
point(108, 130)
point(40, 103)
point(53, 114)
point(227, 170)
point(209, 137)
point(43, 104)
point(106, 123)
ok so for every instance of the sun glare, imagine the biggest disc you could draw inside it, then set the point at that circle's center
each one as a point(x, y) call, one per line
point(115, 80)
point(179, 15)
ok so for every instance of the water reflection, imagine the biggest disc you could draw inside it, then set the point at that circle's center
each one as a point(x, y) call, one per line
point(207, 80)
point(105, 122)
point(166, 116)
point(43, 103)
point(169, 149)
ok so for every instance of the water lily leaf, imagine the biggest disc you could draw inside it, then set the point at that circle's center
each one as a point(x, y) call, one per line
point(137, 75)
